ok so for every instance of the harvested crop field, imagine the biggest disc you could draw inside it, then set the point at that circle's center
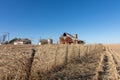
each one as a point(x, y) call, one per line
point(59, 62)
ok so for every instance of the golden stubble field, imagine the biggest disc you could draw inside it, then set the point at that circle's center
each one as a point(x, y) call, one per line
point(114, 50)
point(60, 62)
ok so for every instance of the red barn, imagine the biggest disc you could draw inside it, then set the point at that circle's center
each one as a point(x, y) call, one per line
point(70, 39)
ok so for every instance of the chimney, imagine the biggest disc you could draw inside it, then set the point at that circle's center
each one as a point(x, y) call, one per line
point(75, 36)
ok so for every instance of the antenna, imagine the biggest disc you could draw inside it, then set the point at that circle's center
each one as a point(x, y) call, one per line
point(4, 37)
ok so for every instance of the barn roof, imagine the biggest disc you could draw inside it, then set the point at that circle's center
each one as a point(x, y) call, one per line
point(19, 39)
point(71, 36)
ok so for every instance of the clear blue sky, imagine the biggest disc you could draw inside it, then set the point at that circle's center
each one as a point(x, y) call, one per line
point(95, 21)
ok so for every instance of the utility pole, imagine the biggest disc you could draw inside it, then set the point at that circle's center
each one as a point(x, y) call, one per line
point(5, 37)
point(8, 37)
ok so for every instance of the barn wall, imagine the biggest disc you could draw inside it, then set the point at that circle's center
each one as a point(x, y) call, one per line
point(66, 41)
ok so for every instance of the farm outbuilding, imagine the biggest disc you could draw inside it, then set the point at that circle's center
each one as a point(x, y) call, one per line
point(45, 41)
point(70, 39)
point(20, 41)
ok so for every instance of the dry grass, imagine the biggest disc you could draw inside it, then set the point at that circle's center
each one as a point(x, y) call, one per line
point(51, 62)
point(83, 68)
point(114, 51)
point(13, 60)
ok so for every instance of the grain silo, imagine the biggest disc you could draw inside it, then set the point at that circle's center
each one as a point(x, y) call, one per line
point(50, 41)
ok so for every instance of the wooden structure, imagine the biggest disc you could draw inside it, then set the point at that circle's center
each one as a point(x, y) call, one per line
point(45, 41)
point(70, 39)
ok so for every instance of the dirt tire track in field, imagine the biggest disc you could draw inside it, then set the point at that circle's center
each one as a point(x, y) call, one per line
point(107, 69)
point(116, 61)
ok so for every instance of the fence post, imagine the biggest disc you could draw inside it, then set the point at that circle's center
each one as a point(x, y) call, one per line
point(73, 52)
point(79, 52)
point(56, 56)
point(29, 65)
point(87, 49)
point(66, 55)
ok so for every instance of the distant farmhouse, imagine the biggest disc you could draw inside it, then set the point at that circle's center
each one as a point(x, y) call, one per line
point(45, 41)
point(65, 38)
point(70, 39)
point(20, 41)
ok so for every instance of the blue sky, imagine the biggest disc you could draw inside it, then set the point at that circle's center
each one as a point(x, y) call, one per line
point(95, 21)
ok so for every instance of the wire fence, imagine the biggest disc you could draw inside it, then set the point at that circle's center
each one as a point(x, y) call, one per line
point(27, 62)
